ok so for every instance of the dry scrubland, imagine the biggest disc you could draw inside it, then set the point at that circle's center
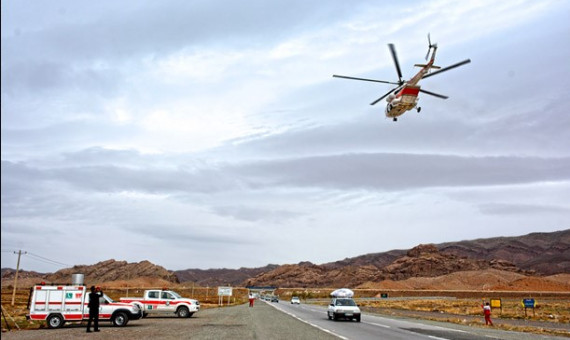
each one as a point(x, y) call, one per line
point(458, 306)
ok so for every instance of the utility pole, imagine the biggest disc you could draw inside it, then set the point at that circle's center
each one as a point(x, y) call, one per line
point(16, 277)
point(128, 279)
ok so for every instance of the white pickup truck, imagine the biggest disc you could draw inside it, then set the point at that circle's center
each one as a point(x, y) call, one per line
point(157, 301)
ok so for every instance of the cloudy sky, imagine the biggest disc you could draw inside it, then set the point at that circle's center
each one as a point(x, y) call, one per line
point(211, 134)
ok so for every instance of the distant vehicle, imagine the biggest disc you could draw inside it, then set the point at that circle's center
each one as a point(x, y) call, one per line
point(156, 301)
point(295, 299)
point(58, 304)
point(274, 298)
point(343, 308)
point(404, 97)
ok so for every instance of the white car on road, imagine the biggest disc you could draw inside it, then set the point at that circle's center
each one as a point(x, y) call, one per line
point(295, 299)
point(343, 308)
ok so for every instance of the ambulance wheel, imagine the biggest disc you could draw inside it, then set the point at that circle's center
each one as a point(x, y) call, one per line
point(55, 321)
point(183, 312)
point(120, 319)
point(145, 314)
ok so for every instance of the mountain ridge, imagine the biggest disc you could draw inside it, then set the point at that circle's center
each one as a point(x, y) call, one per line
point(538, 254)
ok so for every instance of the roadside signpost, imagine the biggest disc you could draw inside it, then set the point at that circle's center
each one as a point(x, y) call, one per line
point(224, 291)
point(496, 303)
point(528, 303)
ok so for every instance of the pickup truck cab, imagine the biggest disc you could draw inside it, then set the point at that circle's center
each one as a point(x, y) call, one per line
point(157, 301)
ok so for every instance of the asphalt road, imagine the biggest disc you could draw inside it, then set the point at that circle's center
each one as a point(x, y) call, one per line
point(379, 327)
point(237, 322)
point(273, 321)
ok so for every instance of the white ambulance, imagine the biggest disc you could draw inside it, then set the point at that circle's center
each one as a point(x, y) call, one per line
point(58, 304)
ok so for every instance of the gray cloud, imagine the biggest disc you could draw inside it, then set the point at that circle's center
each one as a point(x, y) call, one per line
point(406, 171)
point(378, 171)
point(524, 209)
point(256, 214)
point(188, 234)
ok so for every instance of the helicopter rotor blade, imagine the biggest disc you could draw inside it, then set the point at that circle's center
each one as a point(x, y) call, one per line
point(466, 61)
point(395, 58)
point(384, 96)
point(434, 94)
point(429, 47)
point(366, 79)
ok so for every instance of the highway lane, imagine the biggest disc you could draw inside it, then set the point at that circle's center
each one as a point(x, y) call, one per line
point(379, 327)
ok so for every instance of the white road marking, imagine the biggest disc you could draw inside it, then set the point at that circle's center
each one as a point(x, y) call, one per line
point(437, 338)
point(378, 324)
point(449, 329)
point(432, 326)
point(310, 324)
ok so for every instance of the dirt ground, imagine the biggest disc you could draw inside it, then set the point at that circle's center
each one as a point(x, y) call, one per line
point(519, 325)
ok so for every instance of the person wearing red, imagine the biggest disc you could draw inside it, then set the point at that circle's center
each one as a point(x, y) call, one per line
point(487, 313)
point(251, 300)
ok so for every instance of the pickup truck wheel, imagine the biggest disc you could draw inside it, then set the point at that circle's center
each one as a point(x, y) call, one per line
point(183, 312)
point(120, 319)
point(55, 321)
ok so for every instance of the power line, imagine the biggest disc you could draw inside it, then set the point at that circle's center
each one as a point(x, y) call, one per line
point(42, 261)
point(49, 260)
point(39, 258)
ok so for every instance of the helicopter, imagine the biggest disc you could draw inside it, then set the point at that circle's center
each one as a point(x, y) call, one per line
point(404, 96)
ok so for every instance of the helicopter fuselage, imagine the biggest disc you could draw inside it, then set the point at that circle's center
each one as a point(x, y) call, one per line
point(405, 100)
point(407, 97)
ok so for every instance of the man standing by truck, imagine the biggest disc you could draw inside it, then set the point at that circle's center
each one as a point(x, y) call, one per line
point(94, 296)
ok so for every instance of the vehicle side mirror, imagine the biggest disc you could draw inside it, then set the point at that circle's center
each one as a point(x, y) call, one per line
point(332, 304)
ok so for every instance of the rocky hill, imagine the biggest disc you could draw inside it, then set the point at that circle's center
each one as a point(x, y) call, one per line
point(421, 261)
point(544, 253)
point(102, 272)
point(221, 277)
point(112, 270)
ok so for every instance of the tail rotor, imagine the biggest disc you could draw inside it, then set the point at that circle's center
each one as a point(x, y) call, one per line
point(430, 45)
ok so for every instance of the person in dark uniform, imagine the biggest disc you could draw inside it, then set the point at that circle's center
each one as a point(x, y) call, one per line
point(94, 296)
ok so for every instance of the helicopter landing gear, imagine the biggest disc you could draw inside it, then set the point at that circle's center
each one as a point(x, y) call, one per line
point(419, 109)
